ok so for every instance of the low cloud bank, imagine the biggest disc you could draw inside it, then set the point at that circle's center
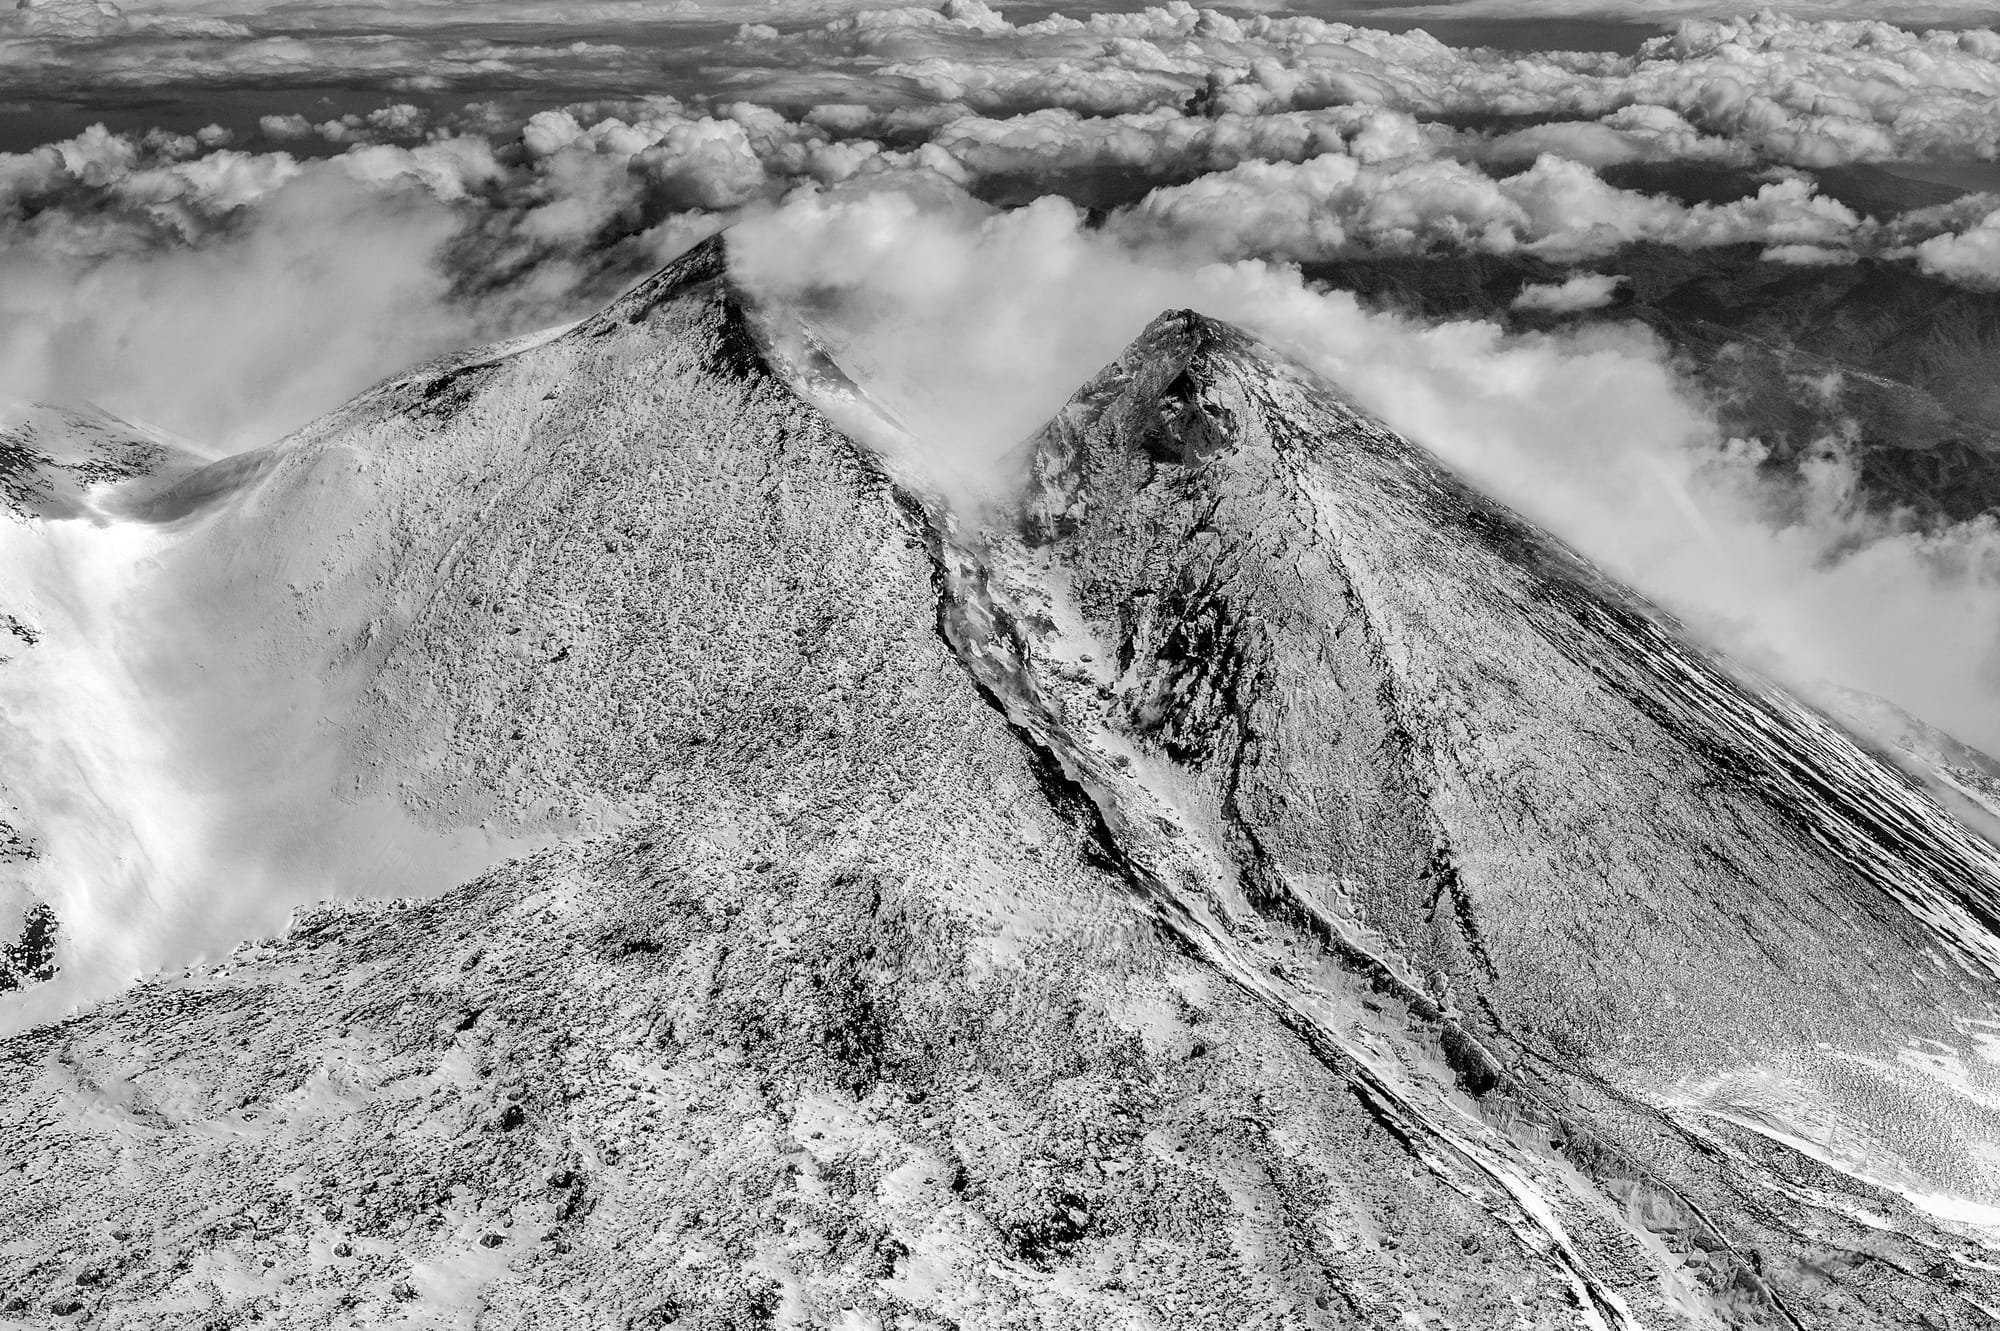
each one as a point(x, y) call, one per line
point(228, 292)
point(1804, 92)
point(1585, 291)
point(1785, 89)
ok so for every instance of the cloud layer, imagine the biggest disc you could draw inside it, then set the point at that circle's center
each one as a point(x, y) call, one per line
point(138, 262)
point(1807, 93)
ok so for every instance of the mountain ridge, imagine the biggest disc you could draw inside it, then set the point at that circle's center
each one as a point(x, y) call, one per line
point(1153, 904)
point(1198, 409)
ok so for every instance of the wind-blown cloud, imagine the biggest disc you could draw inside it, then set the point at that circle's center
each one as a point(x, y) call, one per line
point(973, 326)
point(235, 343)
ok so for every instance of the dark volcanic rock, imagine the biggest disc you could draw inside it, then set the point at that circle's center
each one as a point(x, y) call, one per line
point(31, 958)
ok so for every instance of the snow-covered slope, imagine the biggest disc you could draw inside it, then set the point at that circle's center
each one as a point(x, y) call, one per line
point(60, 468)
point(183, 705)
point(1329, 699)
point(50, 456)
point(1258, 883)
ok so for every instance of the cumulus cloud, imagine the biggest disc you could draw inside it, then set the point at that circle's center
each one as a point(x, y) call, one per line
point(96, 20)
point(1807, 93)
point(285, 128)
point(1765, 86)
point(1335, 204)
point(1808, 255)
point(1970, 257)
point(1585, 291)
point(1635, 133)
point(1913, 12)
point(485, 234)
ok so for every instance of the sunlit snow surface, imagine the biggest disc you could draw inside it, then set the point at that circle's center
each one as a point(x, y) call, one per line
point(92, 767)
point(179, 775)
point(1341, 805)
point(1922, 1125)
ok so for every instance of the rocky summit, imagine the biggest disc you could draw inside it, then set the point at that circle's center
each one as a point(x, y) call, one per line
point(1247, 879)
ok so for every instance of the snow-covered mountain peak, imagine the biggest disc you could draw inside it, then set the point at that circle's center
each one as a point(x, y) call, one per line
point(1379, 706)
point(1255, 880)
point(695, 288)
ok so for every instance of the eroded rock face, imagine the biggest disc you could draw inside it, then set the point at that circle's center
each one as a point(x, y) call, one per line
point(1639, 905)
point(1257, 884)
